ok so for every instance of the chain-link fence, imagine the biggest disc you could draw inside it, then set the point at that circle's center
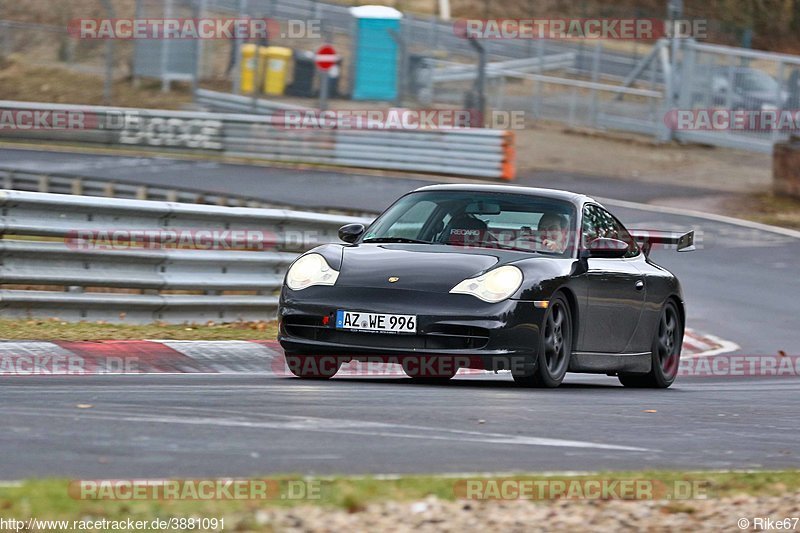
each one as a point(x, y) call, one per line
point(736, 97)
point(632, 86)
point(50, 45)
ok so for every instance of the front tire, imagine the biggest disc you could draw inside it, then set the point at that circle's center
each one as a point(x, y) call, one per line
point(555, 348)
point(666, 353)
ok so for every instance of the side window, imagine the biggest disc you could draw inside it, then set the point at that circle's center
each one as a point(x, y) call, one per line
point(599, 223)
point(592, 225)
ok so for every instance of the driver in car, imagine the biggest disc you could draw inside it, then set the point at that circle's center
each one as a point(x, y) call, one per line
point(553, 232)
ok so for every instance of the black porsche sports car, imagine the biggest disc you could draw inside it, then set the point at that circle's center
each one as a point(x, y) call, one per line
point(539, 282)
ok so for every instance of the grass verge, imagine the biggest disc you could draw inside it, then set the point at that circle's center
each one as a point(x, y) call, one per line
point(54, 329)
point(52, 499)
point(768, 209)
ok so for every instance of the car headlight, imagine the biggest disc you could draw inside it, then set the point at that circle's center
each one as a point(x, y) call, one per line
point(492, 287)
point(311, 269)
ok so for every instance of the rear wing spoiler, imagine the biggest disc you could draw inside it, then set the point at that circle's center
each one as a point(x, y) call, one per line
point(682, 242)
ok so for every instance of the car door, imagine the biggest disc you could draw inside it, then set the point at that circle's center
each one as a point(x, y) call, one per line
point(614, 287)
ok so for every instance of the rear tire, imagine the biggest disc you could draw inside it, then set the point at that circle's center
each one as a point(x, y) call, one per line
point(310, 367)
point(555, 348)
point(666, 353)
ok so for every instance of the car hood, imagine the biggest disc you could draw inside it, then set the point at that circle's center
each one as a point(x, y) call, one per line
point(423, 267)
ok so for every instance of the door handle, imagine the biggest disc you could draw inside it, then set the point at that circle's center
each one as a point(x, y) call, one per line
point(639, 285)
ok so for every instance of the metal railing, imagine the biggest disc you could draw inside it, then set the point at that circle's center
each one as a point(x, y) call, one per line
point(450, 71)
point(219, 102)
point(33, 181)
point(458, 151)
point(85, 258)
point(737, 82)
point(565, 87)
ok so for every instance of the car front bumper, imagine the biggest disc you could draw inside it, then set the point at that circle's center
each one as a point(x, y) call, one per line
point(490, 335)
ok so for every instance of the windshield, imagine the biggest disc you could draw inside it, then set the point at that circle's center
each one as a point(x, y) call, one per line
point(478, 219)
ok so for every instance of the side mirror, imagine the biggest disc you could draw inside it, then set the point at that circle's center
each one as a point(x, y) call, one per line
point(351, 232)
point(603, 248)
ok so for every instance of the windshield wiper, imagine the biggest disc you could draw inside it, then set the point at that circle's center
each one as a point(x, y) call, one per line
point(396, 239)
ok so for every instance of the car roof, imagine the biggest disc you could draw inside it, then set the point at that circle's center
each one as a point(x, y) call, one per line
point(555, 194)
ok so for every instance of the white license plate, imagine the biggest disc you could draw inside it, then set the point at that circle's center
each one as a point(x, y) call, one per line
point(380, 322)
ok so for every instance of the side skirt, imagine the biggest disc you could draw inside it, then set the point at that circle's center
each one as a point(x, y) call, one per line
point(610, 363)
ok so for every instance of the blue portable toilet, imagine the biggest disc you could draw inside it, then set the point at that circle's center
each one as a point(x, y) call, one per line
point(375, 52)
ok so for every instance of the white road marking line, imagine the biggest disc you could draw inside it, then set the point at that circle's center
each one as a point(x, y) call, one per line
point(702, 215)
point(518, 474)
point(343, 426)
point(754, 385)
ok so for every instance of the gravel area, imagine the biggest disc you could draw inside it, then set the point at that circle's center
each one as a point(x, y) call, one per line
point(548, 146)
point(565, 515)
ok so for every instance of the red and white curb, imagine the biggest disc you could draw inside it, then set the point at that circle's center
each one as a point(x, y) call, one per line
point(696, 344)
point(33, 358)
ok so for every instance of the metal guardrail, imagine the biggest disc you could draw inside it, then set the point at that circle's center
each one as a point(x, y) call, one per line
point(462, 151)
point(219, 102)
point(451, 71)
point(33, 181)
point(78, 258)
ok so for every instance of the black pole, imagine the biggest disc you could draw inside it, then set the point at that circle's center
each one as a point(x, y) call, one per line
point(402, 66)
point(479, 89)
point(108, 85)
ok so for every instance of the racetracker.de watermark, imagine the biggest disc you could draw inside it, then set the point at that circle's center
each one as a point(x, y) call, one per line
point(188, 239)
point(46, 119)
point(65, 365)
point(716, 119)
point(195, 489)
point(580, 489)
point(193, 28)
point(398, 119)
point(738, 365)
point(624, 29)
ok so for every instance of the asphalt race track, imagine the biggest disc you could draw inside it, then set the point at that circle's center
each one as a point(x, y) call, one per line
point(741, 286)
point(177, 426)
point(288, 186)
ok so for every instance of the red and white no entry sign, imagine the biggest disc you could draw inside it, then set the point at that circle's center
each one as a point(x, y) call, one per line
point(326, 57)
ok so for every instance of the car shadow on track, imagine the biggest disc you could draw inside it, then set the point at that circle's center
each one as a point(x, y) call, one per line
point(472, 383)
